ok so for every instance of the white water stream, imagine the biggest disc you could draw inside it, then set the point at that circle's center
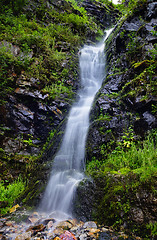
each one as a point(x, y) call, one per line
point(68, 165)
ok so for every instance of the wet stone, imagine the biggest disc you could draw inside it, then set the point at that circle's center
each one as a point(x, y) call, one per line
point(24, 236)
point(64, 225)
point(36, 228)
point(50, 224)
point(83, 236)
point(58, 231)
point(90, 225)
point(48, 231)
point(32, 220)
point(3, 230)
point(46, 221)
point(67, 236)
point(104, 229)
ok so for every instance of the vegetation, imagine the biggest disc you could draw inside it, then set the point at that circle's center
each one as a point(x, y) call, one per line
point(9, 194)
point(41, 42)
point(129, 7)
point(130, 156)
point(128, 171)
point(123, 164)
point(38, 53)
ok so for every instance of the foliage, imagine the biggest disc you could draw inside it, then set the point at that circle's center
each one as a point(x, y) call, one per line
point(123, 174)
point(153, 227)
point(10, 67)
point(143, 80)
point(106, 2)
point(139, 158)
point(49, 139)
point(76, 7)
point(56, 90)
point(15, 5)
point(129, 7)
point(39, 41)
point(45, 47)
point(9, 193)
point(130, 169)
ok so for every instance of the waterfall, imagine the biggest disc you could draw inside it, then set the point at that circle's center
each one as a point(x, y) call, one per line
point(68, 165)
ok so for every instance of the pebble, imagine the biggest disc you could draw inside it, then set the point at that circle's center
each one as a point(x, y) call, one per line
point(104, 229)
point(23, 236)
point(38, 227)
point(83, 236)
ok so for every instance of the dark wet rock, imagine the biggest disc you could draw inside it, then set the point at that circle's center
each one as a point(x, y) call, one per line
point(35, 229)
point(103, 16)
point(65, 225)
point(33, 94)
point(150, 119)
point(131, 27)
point(140, 127)
point(104, 236)
point(46, 221)
point(84, 200)
point(151, 10)
point(22, 81)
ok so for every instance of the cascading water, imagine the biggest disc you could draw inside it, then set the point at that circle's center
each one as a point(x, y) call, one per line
point(68, 165)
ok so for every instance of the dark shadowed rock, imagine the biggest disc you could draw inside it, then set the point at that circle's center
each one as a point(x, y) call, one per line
point(150, 119)
point(152, 10)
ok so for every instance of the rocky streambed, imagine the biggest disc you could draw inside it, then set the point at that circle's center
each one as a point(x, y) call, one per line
point(37, 226)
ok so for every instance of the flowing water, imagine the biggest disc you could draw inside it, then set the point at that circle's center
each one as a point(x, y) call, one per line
point(68, 165)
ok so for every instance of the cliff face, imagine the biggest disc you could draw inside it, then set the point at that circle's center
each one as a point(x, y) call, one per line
point(128, 95)
point(39, 45)
point(39, 78)
point(123, 114)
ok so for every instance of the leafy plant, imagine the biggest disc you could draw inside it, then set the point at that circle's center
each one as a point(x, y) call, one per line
point(9, 193)
point(15, 5)
point(57, 89)
point(139, 158)
point(153, 227)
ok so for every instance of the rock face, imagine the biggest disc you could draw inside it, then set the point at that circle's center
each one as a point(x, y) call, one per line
point(128, 94)
point(41, 77)
point(36, 94)
point(104, 15)
point(27, 118)
point(126, 101)
point(127, 98)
